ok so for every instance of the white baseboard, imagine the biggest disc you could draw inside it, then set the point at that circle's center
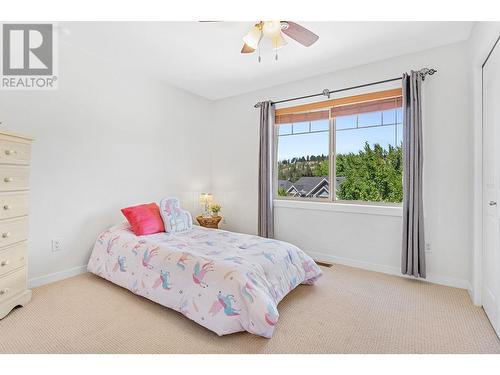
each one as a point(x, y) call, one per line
point(56, 276)
point(473, 296)
point(436, 279)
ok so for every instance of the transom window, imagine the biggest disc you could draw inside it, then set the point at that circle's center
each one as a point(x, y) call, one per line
point(353, 144)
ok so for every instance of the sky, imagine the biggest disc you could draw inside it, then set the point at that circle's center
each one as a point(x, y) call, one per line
point(346, 140)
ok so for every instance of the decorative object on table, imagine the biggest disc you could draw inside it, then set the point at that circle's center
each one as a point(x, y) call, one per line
point(174, 217)
point(215, 209)
point(205, 200)
point(209, 222)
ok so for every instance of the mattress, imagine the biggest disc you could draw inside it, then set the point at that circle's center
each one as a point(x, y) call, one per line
point(225, 281)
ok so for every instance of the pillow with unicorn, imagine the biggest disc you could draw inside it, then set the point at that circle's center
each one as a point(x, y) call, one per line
point(175, 219)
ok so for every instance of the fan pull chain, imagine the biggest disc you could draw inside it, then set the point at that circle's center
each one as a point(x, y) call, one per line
point(259, 52)
point(276, 51)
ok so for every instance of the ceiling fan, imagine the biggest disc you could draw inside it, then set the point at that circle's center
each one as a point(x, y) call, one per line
point(274, 30)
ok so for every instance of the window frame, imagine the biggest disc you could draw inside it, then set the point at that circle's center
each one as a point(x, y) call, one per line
point(332, 152)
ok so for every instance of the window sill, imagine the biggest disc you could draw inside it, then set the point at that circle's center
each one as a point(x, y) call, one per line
point(366, 209)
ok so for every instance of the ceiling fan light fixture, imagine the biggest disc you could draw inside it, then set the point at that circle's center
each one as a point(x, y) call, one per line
point(278, 41)
point(273, 32)
point(252, 39)
point(247, 49)
point(271, 29)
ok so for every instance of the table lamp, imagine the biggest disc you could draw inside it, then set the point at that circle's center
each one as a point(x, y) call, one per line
point(206, 199)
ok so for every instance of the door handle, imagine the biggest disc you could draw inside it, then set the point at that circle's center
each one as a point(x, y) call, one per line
point(493, 203)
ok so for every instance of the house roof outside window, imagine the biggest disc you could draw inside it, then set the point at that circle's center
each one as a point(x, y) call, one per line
point(309, 186)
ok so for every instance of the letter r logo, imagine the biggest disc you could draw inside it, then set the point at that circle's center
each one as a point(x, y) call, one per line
point(27, 49)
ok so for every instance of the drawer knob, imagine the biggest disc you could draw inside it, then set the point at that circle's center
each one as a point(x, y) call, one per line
point(7, 207)
point(10, 152)
point(4, 291)
point(8, 179)
point(4, 263)
point(6, 234)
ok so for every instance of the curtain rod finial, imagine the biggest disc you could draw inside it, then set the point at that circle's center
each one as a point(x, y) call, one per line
point(426, 71)
point(259, 104)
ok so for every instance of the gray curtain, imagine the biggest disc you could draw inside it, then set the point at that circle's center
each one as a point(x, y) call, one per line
point(413, 255)
point(266, 150)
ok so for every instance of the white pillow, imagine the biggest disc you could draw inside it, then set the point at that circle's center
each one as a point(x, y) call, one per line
point(175, 219)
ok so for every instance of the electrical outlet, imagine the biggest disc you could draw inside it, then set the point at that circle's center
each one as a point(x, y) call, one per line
point(56, 245)
point(428, 247)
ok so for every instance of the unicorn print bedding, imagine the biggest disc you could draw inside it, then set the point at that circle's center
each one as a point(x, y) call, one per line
point(227, 282)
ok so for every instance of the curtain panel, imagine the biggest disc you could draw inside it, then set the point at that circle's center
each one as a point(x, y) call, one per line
point(266, 153)
point(413, 246)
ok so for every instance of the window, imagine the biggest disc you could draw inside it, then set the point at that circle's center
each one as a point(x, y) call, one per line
point(354, 141)
point(303, 159)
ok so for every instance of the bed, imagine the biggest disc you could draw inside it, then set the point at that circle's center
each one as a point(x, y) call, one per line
point(227, 282)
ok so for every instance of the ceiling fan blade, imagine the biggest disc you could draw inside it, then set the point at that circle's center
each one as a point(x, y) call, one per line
point(247, 49)
point(299, 33)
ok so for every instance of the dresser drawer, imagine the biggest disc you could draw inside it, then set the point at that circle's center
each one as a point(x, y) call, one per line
point(13, 230)
point(12, 284)
point(14, 178)
point(13, 204)
point(13, 257)
point(14, 152)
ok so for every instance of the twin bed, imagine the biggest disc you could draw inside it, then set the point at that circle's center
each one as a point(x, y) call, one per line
point(227, 282)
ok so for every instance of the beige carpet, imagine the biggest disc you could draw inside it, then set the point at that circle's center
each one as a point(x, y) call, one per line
point(348, 311)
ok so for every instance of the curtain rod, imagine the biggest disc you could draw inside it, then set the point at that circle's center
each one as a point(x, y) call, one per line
point(423, 73)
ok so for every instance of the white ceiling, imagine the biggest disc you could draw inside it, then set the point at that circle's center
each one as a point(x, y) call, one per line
point(205, 59)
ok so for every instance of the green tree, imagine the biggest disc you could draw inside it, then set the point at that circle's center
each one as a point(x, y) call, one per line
point(373, 174)
point(322, 168)
point(281, 192)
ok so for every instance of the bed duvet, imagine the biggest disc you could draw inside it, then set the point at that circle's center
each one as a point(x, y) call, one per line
point(227, 282)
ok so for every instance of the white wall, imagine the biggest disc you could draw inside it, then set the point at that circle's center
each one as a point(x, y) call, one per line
point(106, 139)
point(363, 239)
point(482, 39)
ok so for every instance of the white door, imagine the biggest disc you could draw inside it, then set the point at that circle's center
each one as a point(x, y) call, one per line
point(491, 188)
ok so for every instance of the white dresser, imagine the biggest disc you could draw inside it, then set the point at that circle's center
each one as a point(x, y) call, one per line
point(14, 200)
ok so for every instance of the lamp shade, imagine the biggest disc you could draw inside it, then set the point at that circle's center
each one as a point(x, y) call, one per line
point(271, 29)
point(253, 38)
point(278, 41)
point(206, 198)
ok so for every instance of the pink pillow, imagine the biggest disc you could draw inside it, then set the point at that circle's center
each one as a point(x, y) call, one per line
point(144, 219)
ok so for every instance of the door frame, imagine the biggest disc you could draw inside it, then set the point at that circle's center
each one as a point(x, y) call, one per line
point(475, 290)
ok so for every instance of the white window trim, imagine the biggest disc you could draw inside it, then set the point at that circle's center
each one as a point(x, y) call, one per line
point(364, 208)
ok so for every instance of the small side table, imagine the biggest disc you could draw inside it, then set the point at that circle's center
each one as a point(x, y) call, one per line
point(209, 222)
